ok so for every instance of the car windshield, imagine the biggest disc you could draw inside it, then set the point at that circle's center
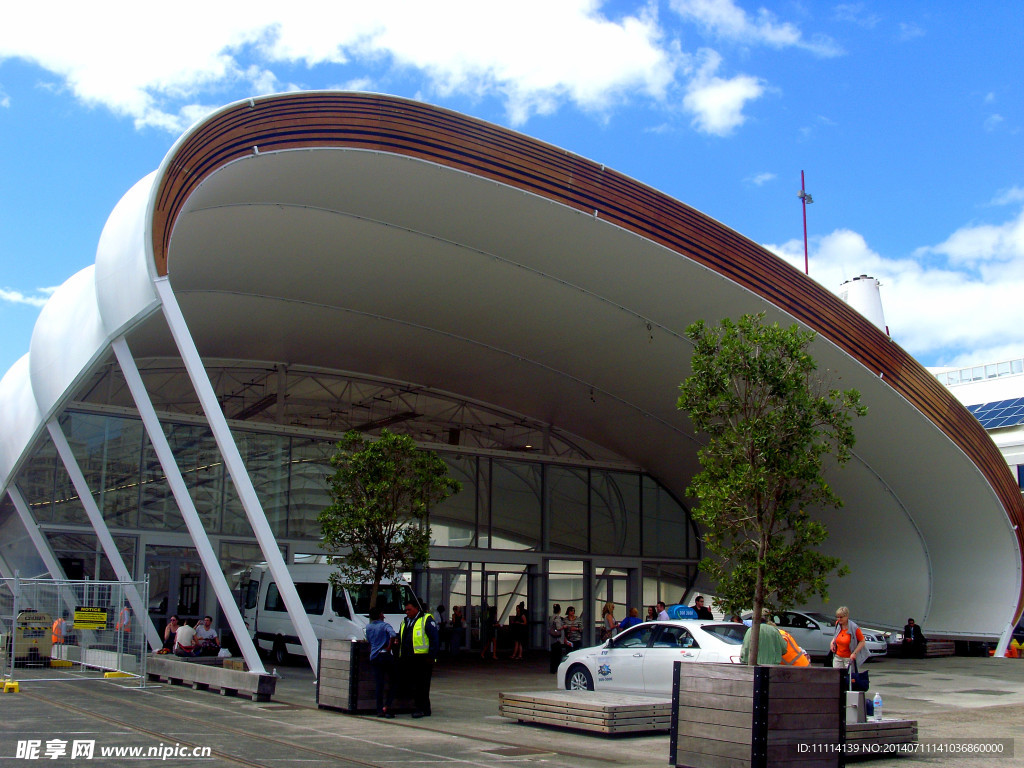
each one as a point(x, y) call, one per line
point(636, 637)
point(727, 633)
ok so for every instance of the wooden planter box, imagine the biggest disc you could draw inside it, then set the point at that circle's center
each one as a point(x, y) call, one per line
point(345, 680)
point(733, 716)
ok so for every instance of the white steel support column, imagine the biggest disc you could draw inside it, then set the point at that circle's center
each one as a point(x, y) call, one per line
point(41, 544)
point(43, 547)
point(236, 468)
point(99, 525)
point(1004, 640)
point(188, 508)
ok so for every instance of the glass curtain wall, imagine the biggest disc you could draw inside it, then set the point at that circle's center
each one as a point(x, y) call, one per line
point(537, 511)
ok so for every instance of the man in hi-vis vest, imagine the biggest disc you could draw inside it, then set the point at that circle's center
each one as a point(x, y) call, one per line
point(793, 655)
point(417, 651)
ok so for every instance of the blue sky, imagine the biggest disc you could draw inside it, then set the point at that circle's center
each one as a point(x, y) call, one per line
point(906, 116)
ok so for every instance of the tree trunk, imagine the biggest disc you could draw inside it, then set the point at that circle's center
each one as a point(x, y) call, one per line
point(755, 624)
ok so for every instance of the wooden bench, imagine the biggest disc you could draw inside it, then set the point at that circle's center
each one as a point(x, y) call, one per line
point(594, 711)
point(207, 674)
point(878, 732)
point(939, 648)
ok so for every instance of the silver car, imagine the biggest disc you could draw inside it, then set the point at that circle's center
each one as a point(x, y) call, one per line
point(814, 632)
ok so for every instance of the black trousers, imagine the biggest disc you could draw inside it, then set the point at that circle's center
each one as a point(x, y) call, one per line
point(383, 672)
point(557, 654)
point(416, 671)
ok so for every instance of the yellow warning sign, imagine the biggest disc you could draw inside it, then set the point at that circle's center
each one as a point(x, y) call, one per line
point(90, 618)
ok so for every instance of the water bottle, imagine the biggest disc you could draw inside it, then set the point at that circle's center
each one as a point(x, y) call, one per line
point(878, 705)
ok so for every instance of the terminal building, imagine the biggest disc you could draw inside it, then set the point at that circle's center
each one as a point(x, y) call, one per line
point(308, 263)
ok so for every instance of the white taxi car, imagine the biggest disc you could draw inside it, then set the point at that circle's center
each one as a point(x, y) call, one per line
point(640, 659)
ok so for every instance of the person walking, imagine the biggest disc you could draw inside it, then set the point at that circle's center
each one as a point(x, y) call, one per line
point(848, 644)
point(610, 624)
point(632, 620)
point(770, 645)
point(380, 635)
point(519, 628)
point(417, 652)
point(556, 636)
point(573, 629)
point(59, 630)
point(703, 612)
point(458, 631)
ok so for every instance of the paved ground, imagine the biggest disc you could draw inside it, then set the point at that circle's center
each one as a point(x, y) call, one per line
point(952, 699)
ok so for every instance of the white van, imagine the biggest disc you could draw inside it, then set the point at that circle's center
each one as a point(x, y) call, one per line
point(334, 613)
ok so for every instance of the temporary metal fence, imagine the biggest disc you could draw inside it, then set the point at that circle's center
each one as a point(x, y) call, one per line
point(50, 628)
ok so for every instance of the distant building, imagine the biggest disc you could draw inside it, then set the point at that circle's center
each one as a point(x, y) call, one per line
point(994, 393)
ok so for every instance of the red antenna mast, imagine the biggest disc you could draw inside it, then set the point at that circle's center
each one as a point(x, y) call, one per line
point(804, 199)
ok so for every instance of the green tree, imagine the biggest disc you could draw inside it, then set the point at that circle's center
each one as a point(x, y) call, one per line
point(772, 424)
point(381, 492)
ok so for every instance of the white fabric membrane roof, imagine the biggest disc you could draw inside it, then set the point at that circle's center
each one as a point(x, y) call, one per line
point(375, 262)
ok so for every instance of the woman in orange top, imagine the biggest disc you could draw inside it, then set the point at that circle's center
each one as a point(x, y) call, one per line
point(846, 631)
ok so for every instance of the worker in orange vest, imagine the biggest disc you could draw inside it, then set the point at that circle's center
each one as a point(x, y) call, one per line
point(794, 655)
point(60, 628)
point(124, 619)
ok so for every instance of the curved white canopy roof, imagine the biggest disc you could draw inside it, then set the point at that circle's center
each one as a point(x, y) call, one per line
point(380, 261)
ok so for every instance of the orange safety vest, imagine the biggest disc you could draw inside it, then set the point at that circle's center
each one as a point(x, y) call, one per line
point(124, 620)
point(58, 631)
point(794, 655)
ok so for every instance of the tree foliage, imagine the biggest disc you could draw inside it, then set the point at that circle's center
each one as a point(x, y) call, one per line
point(378, 521)
point(772, 425)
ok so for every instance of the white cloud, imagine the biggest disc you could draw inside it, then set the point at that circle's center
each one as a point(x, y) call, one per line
point(910, 31)
point(140, 61)
point(993, 121)
point(716, 103)
point(163, 70)
point(762, 178)
point(985, 245)
point(5, 100)
point(855, 12)
point(17, 297)
point(1009, 196)
point(970, 299)
point(725, 19)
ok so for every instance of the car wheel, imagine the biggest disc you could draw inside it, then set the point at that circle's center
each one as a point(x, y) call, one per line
point(578, 678)
point(278, 654)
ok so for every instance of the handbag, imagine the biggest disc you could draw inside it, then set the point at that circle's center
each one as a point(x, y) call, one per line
point(859, 681)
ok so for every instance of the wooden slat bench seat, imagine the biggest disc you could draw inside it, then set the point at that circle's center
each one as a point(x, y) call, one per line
point(878, 732)
point(208, 675)
point(940, 648)
point(595, 711)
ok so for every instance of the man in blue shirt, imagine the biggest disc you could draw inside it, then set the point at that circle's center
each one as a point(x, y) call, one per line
point(380, 634)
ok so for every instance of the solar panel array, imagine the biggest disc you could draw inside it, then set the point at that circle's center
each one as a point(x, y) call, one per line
point(1004, 413)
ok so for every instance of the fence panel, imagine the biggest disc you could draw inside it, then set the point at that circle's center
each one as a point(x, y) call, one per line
point(55, 629)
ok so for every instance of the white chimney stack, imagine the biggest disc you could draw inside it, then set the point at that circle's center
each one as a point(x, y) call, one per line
point(863, 295)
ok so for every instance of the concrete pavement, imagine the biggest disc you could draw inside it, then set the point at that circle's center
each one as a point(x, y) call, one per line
point(952, 698)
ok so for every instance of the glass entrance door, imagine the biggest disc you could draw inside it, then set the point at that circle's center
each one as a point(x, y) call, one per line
point(176, 584)
point(448, 585)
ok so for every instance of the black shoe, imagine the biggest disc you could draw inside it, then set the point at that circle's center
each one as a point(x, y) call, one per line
point(418, 715)
point(389, 716)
